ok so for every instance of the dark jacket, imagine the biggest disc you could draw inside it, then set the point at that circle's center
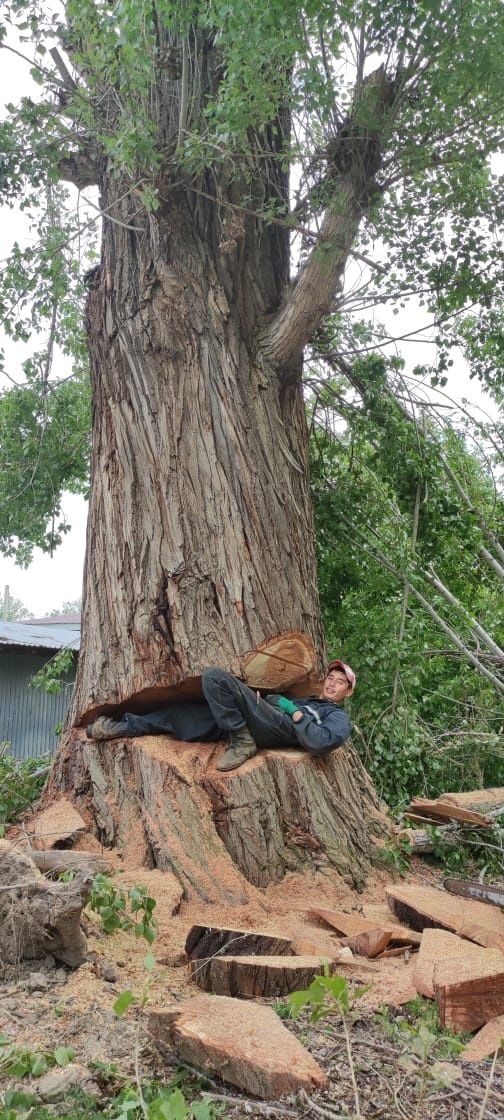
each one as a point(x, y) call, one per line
point(324, 725)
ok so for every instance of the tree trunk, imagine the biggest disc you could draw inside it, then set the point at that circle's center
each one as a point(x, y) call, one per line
point(166, 804)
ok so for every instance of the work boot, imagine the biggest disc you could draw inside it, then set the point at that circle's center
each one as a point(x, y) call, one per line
point(106, 728)
point(241, 747)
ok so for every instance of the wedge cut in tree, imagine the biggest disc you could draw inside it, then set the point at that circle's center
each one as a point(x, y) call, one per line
point(179, 125)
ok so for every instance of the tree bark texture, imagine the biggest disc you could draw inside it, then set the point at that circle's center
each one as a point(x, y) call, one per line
point(283, 811)
point(200, 540)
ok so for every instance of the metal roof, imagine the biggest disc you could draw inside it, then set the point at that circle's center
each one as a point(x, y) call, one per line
point(39, 637)
point(73, 620)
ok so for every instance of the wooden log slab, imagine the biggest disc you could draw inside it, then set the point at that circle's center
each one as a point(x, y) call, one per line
point(468, 995)
point(423, 907)
point(245, 1044)
point(261, 977)
point(280, 662)
point(437, 946)
point(205, 943)
point(486, 1042)
point(447, 811)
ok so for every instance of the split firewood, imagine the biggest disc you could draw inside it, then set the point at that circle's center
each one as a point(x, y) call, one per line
point(37, 917)
point(427, 906)
point(242, 1043)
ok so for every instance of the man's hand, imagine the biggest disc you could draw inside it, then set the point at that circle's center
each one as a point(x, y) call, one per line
point(284, 705)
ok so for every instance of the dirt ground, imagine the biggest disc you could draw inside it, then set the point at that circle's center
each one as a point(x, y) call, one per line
point(44, 1005)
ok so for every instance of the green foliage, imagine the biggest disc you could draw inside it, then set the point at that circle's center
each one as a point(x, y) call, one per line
point(112, 904)
point(418, 1028)
point(13, 609)
point(325, 996)
point(21, 783)
point(18, 1062)
point(53, 676)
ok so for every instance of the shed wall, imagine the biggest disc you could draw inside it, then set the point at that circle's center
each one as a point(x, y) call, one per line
point(28, 716)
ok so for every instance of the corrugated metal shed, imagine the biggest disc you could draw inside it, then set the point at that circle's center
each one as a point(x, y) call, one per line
point(29, 717)
point(39, 636)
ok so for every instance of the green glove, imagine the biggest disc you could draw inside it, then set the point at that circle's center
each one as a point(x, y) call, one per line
point(286, 705)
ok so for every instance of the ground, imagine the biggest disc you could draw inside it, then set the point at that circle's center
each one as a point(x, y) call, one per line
point(394, 1051)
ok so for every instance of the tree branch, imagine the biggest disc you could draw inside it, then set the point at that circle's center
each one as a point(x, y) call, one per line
point(354, 158)
point(82, 168)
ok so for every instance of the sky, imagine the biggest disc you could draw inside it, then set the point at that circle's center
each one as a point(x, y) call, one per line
point(51, 581)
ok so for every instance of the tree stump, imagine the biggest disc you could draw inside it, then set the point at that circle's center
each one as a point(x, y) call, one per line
point(282, 811)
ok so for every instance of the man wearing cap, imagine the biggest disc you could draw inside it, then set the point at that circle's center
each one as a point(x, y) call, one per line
point(318, 724)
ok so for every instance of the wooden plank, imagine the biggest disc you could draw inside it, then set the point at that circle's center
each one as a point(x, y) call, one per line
point(254, 977)
point(204, 943)
point(439, 945)
point(422, 907)
point(447, 810)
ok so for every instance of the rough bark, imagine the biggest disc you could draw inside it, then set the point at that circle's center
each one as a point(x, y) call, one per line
point(38, 918)
point(261, 977)
point(282, 811)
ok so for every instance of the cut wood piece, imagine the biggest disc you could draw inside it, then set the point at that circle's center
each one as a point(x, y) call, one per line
point(205, 943)
point(437, 946)
point(245, 1044)
point(351, 926)
point(38, 918)
point(399, 951)
point(422, 907)
point(311, 942)
point(481, 800)
point(485, 1043)
point(280, 662)
point(469, 994)
point(419, 840)
point(370, 943)
point(261, 977)
point(447, 810)
point(59, 822)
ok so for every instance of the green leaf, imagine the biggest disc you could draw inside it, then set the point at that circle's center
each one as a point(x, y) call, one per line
point(123, 1002)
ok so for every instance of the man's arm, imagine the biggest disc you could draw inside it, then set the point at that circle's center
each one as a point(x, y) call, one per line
point(318, 738)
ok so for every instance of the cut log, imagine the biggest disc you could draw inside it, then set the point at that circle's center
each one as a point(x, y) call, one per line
point(38, 918)
point(419, 840)
point(423, 907)
point(60, 821)
point(261, 977)
point(444, 810)
point(370, 943)
point(282, 811)
point(242, 1043)
point(437, 946)
point(353, 925)
point(205, 943)
point(480, 800)
point(468, 995)
point(280, 662)
point(486, 1042)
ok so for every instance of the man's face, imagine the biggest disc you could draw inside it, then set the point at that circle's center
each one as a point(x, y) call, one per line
point(335, 686)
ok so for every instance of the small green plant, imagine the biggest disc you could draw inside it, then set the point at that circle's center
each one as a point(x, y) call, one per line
point(283, 1009)
point(418, 1016)
point(330, 996)
point(112, 903)
point(18, 1062)
point(20, 783)
point(396, 854)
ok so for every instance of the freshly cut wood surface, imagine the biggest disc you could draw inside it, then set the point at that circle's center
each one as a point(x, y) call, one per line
point(245, 1044)
point(206, 943)
point(280, 662)
point(447, 810)
point(59, 822)
point(254, 977)
point(370, 943)
point(425, 906)
point(351, 926)
point(438, 946)
point(484, 1044)
point(467, 997)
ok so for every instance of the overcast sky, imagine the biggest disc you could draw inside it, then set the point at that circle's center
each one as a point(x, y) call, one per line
point(50, 581)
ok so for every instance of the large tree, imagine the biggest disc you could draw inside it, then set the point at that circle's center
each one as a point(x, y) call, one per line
point(188, 118)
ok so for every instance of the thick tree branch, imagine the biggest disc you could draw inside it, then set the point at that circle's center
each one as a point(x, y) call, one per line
point(82, 168)
point(354, 158)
